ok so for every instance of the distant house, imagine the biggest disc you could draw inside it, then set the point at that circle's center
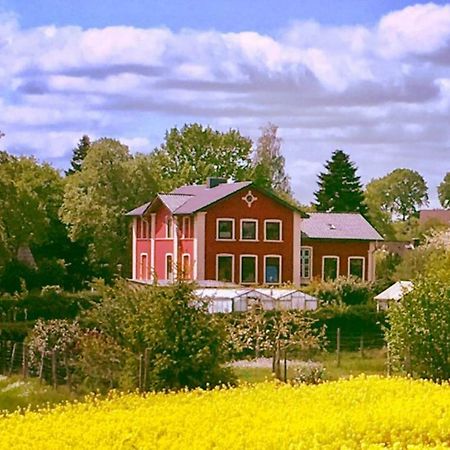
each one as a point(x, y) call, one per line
point(393, 293)
point(434, 216)
point(228, 232)
point(337, 244)
point(238, 234)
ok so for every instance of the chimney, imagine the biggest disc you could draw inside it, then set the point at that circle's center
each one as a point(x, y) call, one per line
point(212, 182)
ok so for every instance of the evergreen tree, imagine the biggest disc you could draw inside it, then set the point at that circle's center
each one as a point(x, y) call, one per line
point(268, 162)
point(340, 189)
point(78, 155)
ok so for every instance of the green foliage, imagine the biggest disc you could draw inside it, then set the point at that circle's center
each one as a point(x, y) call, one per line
point(396, 195)
point(184, 344)
point(340, 189)
point(444, 191)
point(79, 154)
point(419, 332)
point(194, 153)
point(96, 198)
point(269, 164)
point(386, 265)
point(343, 291)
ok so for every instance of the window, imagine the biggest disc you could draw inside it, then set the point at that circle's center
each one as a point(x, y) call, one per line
point(169, 267)
point(248, 269)
point(272, 269)
point(138, 228)
point(145, 229)
point(249, 230)
point(305, 262)
point(186, 266)
point(330, 267)
point(224, 268)
point(144, 267)
point(356, 266)
point(186, 227)
point(272, 230)
point(169, 228)
point(225, 229)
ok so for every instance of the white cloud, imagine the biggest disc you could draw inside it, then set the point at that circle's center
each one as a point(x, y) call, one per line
point(354, 86)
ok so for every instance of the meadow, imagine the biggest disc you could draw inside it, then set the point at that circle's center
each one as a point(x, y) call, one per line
point(363, 412)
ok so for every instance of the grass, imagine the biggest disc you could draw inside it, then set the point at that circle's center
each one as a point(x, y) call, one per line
point(352, 364)
point(17, 393)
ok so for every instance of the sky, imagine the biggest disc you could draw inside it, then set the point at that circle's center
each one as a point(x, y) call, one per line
point(370, 77)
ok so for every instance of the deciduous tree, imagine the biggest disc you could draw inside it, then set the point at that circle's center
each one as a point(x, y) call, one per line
point(191, 154)
point(340, 189)
point(444, 191)
point(268, 162)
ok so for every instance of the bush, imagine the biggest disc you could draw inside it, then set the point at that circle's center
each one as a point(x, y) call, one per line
point(309, 372)
point(184, 345)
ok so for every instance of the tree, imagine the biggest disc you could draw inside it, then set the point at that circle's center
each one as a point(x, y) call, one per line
point(340, 189)
point(268, 162)
point(110, 183)
point(184, 344)
point(444, 191)
point(419, 325)
point(192, 154)
point(79, 154)
point(397, 195)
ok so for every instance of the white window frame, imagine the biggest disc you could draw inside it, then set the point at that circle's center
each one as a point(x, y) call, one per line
point(233, 230)
point(280, 259)
point(169, 219)
point(337, 266)
point(363, 266)
point(280, 222)
point(189, 266)
point(141, 268)
point(306, 247)
point(165, 267)
point(145, 229)
point(255, 257)
point(186, 219)
point(256, 230)
point(218, 255)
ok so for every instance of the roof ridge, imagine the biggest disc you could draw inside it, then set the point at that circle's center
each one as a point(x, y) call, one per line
point(174, 193)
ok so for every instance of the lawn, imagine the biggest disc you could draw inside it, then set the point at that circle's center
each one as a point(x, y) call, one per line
point(352, 364)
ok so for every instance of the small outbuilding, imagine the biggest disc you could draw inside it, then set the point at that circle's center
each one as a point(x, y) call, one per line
point(393, 293)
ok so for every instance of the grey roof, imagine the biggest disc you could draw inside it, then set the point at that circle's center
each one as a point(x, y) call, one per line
point(174, 201)
point(339, 226)
point(202, 196)
point(139, 210)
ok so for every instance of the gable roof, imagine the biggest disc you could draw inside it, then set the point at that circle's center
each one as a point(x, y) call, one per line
point(193, 198)
point(441, 215)
point(396, 291)
point(339, 226)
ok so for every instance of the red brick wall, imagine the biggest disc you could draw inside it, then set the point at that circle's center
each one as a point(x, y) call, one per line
point(263, 208)
point(341, 248)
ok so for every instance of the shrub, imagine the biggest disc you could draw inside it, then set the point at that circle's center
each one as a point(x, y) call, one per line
point(309, 372)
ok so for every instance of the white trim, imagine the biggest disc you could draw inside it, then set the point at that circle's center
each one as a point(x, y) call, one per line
point(218, 255)
point(133, 250)
point(256, 230)
point(165, 267)
point(296, 246)
point(337, 266)
point(175, 247)
point(310, 248)
point(152, 244)
point(281, 230)
point(256, 268)
point(233, 231)
point(371, 275)
point(199, 246)
point(140, 267)
point(183, 272)
point(280, 268)
point(363, 265)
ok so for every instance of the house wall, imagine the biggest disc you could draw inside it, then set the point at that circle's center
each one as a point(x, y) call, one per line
point(341, 248)
point(263, 208)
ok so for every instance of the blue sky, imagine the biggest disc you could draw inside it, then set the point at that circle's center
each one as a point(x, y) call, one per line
point(370, 77)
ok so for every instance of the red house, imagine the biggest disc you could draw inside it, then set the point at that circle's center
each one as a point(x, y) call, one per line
point(228, 232)
point(337, 244)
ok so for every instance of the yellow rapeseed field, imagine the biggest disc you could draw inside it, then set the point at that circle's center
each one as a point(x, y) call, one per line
point(365, 412)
